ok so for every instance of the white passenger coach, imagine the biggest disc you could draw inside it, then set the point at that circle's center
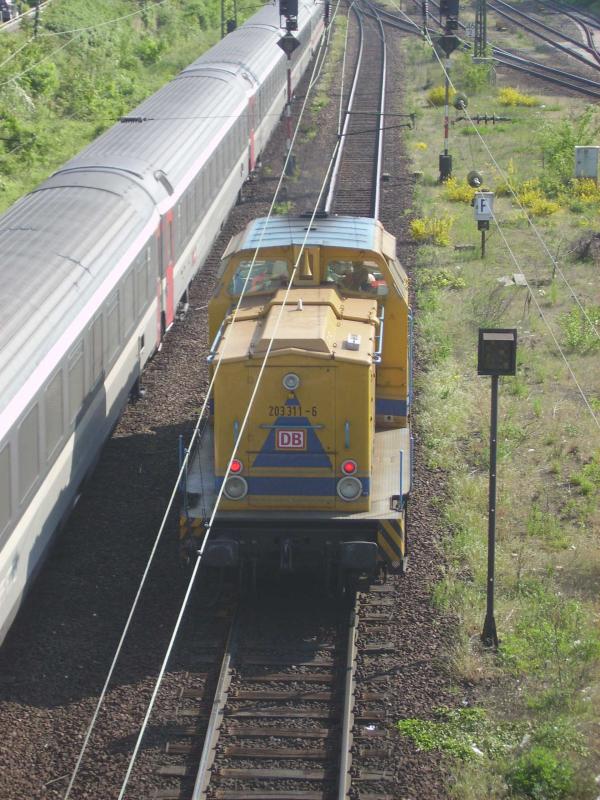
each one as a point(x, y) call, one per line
point(95, 260)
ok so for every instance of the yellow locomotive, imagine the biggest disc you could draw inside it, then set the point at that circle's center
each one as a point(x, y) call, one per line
point(322, 471)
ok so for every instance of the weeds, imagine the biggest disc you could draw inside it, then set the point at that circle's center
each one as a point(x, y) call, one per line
point(466, 733)
point(437, 95)
point(459, 191)
point(509, 96)
point(540, 775)
point(581, 329)
point(432, 229)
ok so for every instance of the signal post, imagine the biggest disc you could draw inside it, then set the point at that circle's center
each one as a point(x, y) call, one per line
point(288, 43)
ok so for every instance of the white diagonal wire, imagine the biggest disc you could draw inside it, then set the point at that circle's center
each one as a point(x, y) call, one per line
point(178, 480)
point(541, 313)
point(516, 197)
point(227, 471)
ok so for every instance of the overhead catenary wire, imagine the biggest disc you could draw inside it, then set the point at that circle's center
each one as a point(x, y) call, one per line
point(324, 43)
point(514, 194)
point(232, 457)
point(547, 324)
point(515, 261)
point(47, 34)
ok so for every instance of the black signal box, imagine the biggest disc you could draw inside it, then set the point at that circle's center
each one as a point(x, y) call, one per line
point(288, 8)
point(497, 352)
point(449, 8)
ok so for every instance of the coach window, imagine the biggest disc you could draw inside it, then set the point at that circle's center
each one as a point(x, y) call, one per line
point(5, 488)
point(128, 303)
point(76, 384)
point(54, 414)
point(140, 284)
point(29, 452)
point(149, 275)
point(113, 338)
point(96, 341)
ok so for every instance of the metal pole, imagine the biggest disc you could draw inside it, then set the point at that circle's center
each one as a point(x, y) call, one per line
point(446, 105)
point(290, 160)
point(489, 637)
point(445, 158)
point(483, 243)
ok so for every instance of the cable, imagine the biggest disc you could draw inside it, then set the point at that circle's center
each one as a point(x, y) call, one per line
point(37, 63)
point(505, 177)
point(234, 451)
point(559, 348)
point(172, 499)
point(540, 312)
point(48, 34)
point(106, 22)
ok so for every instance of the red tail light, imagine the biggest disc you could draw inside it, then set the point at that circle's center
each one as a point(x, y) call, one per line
point(349, 467)
point(236, 467)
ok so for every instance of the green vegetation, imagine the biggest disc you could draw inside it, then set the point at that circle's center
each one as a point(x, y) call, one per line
point(322, 96)
point(432, 229)
point(513, 97)
point(534, 720)
point(466, 733)
point(91, 63)
point(437, 96)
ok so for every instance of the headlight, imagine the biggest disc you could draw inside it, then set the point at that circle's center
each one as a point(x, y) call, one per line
point(349, 488)
point(236, 488)
point(291, 381)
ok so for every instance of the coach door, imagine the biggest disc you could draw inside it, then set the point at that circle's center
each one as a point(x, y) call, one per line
point(252, 142)
point(167, 264)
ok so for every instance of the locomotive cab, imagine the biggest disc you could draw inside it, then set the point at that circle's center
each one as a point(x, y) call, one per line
point(310, 355)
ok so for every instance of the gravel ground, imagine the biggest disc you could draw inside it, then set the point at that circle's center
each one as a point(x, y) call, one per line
point(56, 657)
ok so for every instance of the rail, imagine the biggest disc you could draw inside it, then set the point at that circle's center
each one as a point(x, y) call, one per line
point(361, 137)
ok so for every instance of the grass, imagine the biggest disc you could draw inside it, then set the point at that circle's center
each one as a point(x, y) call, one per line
point(544, 683)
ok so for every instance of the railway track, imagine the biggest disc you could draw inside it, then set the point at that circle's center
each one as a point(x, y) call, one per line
point(589, 24)
point(355, 183)
point(546, 33)
point(568, 80)
point(286, 720)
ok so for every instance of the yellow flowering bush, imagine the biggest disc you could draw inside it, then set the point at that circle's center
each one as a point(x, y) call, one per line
point(535, 201)
point(513, 97)
point(585, 189)
point(459, 191)
point(433, 229)
point(436, 96)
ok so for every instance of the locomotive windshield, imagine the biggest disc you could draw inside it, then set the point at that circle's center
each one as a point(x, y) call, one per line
point(356, 277)
point(259, 277)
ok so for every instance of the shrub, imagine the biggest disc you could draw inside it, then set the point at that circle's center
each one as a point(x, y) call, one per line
point(540, 775)
point(588, 478)
point(443, 278)
point(465, 733)
point(553, 641)
point(433, 229)
point(513, 97)
point(584, 189)
point(149, 50)
point(531, 196)
point(581, 330)
point(558, 142)
point(473, 77)
point(437, 95)
point(459, 191)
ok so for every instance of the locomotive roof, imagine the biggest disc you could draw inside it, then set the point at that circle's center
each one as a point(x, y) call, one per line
point(356, 233)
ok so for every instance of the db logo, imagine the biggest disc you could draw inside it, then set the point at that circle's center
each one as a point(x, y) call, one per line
point(291, 440)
